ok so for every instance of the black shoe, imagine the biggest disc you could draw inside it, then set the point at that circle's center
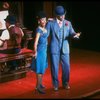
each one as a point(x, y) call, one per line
point(40, 91)
point(66, 86)
point(56, 88)
point(42, 86)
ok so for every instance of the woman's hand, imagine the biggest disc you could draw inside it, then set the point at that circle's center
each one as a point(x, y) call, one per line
point(34, 54)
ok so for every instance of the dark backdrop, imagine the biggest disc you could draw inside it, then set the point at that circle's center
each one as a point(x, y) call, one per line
point(85, 18)
point(30, 11)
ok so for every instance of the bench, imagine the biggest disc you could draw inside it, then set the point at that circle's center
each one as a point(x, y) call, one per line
point(25, 56)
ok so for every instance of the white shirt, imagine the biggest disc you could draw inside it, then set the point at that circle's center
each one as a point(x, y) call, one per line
point(60, 23)
point(3, 15)
point(5, 34)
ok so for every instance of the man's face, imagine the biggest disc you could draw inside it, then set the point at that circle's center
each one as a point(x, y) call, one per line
point(7, 24)
point(61, 18)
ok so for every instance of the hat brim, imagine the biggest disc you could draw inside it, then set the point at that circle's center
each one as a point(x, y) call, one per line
point(11, 22)
point(61, 14)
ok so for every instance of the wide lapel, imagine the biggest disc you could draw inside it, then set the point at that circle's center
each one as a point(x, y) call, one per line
point(56, 28)
point(65, 28)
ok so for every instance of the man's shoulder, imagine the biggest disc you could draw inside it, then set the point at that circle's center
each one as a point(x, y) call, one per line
point(14, 29)
point(51, 20)
point(67, 20)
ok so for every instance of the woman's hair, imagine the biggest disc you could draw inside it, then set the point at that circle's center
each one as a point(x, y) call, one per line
point(41, 14)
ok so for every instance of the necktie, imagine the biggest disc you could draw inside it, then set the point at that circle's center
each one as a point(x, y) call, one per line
point(60, 23)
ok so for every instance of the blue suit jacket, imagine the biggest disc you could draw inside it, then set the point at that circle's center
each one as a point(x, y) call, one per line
point(53, 28)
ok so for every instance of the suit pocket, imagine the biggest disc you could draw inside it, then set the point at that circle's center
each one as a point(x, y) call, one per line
point(65, 48)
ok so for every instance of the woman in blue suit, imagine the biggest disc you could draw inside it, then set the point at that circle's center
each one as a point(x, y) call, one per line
point(60, 29)
point(40, 51)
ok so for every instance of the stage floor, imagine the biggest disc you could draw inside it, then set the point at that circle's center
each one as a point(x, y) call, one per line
point(84, 80)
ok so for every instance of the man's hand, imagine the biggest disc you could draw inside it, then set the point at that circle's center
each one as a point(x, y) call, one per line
point(77, 35)
point(1, 43)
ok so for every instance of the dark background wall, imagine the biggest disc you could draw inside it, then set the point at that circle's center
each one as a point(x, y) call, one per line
point(85, 18)
point(30, 11)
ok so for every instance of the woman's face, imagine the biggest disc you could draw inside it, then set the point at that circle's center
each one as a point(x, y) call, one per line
point(42, 22)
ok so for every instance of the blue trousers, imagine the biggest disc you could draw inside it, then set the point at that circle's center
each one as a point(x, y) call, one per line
point(56, 59)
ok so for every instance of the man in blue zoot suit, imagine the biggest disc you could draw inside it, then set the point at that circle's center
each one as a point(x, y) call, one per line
point(60, 29)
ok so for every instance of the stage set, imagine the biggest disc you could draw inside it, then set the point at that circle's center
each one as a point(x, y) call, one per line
point(84, 54)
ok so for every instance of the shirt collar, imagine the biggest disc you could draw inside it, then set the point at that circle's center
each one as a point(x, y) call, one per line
point(11, 26)
point(58, 21)
point(43, 29)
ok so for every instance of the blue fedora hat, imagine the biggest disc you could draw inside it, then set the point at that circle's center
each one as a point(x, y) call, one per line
point(11, 19)
point(59, 11)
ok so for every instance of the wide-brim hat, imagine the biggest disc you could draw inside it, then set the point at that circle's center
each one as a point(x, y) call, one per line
point(11, 19)
point(41, 14)
point(59, 11)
